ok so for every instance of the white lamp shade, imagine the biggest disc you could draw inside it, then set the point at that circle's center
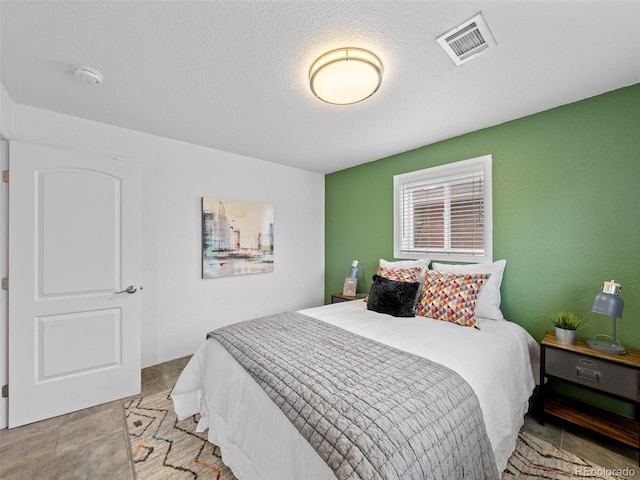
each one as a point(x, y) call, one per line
point(345, 76)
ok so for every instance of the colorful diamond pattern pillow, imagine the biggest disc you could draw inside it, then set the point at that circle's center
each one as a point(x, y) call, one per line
point(451, 297)
point(402, 274)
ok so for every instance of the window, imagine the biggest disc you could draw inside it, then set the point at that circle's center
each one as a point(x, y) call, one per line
point(445, 212)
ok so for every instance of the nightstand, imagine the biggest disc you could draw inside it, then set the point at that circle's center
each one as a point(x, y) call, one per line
point(338, 297)
point(616, 376)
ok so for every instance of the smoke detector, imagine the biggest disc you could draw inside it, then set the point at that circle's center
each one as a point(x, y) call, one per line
point(467, 41)
point(87, 75)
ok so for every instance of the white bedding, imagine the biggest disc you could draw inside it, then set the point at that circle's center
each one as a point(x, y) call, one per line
point(258, 442)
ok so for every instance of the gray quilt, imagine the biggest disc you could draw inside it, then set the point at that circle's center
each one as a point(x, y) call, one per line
point(369, 410)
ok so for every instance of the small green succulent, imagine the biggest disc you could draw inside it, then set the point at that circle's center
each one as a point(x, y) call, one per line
point(566, 320)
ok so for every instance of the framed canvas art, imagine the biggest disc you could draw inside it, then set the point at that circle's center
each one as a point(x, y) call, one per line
point(237, 237)
point(349, 288)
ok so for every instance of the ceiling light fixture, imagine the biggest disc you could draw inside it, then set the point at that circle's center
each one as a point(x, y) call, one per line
point(345, 76)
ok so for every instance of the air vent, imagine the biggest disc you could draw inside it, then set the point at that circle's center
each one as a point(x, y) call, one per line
point(468, 40)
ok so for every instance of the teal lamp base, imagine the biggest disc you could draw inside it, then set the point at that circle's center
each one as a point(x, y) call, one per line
point(606, 346)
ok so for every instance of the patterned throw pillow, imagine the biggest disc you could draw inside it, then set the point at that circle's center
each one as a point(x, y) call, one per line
point(392, 297)
point(422, 263)
point(403, 274)
point(451, 297)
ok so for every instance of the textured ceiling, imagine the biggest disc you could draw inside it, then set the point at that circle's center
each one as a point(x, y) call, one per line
point(233, 75)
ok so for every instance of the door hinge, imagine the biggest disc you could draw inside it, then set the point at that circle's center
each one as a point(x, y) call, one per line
point(5, 283)
point(5, 391)
point(5, 176)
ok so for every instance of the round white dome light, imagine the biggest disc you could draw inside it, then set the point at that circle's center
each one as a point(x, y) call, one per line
point(345, 76)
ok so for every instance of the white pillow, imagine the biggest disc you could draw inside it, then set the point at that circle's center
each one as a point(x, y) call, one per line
point(423, 263)
point(488, 305)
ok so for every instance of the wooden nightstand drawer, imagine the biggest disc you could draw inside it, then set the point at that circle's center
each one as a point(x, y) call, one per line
point(609, 375)
point(592, 372)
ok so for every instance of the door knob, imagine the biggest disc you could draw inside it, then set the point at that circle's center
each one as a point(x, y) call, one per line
point(129, 289)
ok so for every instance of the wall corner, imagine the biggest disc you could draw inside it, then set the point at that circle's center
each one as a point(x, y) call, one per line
point(6, 115)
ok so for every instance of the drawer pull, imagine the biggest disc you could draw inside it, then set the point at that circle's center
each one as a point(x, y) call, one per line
point(587, 374)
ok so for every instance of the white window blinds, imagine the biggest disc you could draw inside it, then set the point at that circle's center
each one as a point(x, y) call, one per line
point(444, 212)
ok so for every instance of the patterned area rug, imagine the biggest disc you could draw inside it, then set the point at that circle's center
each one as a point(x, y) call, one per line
point(164, 448)
point(535, 458)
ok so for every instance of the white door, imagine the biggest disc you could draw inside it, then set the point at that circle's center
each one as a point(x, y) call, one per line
point(74, 250)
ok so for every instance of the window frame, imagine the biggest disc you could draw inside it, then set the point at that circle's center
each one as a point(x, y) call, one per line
point(482, 164)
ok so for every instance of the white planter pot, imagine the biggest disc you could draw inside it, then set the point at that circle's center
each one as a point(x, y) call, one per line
point(566, 337)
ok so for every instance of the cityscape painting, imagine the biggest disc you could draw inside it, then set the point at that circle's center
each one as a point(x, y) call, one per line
point(237, 237)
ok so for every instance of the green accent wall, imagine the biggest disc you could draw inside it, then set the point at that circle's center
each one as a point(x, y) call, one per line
point(566, 210)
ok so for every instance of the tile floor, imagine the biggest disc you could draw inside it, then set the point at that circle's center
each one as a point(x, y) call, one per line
point(93, 444)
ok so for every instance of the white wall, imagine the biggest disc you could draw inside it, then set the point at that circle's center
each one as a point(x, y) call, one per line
point(179, 307)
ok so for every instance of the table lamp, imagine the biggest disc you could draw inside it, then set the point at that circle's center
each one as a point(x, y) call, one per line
point(608, 302)
point(351, 280)
point(354, 269)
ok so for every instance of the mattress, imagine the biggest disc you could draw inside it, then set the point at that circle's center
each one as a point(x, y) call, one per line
point(258, 442)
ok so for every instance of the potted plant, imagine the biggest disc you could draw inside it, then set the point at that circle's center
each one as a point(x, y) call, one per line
point(566, 324)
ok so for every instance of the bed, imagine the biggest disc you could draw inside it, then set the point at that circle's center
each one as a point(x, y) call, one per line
point(497, 359)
